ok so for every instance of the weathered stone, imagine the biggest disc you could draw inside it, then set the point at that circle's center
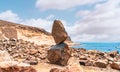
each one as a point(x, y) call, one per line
point(113, 53)
point(55, 70)
point(83, 58)
point(101, 64)
point(31, 62)
point(83, 62)
point(115, 65)
point(4, 56)
point(59, 54)
point(33, 51)
point(86, 62)
point(58, 32)
point(10, 32)
point(23, 50)
point(17, 69)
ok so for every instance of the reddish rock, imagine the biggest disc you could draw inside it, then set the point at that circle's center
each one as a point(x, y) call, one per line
point(83, 58)
point(59, 54)
point(115, 65)
point(17, 69)
point(113, 53)
point(55, 70)
point(86, 62)
point(33, 51)
point(58, 32)
point(101, 64)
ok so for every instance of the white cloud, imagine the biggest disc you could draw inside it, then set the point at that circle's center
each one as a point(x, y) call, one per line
point(13, 17)
point(101, 24)
point(9, 16)
point(62, 4)
point(82, 13)
point(42, 23)
point(51, 16)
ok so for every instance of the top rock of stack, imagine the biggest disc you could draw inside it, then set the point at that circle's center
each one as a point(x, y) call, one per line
point(58, 32)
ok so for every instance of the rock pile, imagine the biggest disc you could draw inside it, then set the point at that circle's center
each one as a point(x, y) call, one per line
point(59, 53)
point(97, 58)
point(7, 64)
point(17, 69)
point(24, 50)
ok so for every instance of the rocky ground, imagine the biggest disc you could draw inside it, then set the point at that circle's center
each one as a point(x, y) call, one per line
point(82, 59)
point(24, 51)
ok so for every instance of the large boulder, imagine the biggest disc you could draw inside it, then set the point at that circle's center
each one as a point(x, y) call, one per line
point(113, 53)
point(59, 54)
point(115, 65)
point(58, 32)
point(101, 64)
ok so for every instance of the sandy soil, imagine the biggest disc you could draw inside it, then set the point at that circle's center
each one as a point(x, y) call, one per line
point(45, 67)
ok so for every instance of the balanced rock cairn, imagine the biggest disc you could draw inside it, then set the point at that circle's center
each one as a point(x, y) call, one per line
point(59, 53)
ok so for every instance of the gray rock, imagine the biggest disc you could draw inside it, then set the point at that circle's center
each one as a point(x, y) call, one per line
point(31, 62)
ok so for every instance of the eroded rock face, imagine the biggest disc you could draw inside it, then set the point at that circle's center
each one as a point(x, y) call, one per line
point(59, 54)
point(10, 33)
point(58, 32)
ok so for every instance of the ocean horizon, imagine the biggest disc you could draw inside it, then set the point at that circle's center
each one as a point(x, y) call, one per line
point(101, 46)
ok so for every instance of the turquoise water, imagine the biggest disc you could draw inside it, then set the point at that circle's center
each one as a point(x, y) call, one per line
point(102, 46)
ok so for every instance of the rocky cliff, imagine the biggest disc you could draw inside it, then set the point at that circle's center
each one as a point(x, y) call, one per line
point(28, 33)
point(33, 34)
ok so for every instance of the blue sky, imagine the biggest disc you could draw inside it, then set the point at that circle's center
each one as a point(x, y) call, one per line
point(84, 20)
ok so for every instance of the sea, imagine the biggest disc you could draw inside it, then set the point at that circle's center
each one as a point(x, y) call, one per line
point(101, 46)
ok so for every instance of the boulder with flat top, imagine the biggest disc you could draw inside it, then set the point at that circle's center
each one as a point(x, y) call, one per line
point(59, 54)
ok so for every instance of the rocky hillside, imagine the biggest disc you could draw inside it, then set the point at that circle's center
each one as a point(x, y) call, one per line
point(28, 33)
point(33, 34)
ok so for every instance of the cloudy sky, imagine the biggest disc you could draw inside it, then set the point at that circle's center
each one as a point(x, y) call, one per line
point(84, 20)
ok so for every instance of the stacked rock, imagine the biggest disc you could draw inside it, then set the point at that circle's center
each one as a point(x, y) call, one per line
point(59, 53)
